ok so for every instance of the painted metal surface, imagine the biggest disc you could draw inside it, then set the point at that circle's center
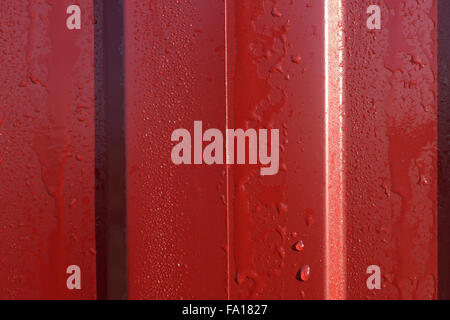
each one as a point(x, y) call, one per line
point(177, 216)
point(47, 150)
point(223, 231)
point(357, 109)
point(276, 80)
point(390, 149)
point(358, 174)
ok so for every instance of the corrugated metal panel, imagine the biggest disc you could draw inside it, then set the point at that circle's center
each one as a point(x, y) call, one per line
point(356, 107)
point(357, 113)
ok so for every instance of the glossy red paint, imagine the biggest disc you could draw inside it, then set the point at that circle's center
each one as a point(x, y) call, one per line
point(177, 216)
point(390, 149)
point(224, 232)
point(357, 114)
point(357, 110)
point(276, 79)
point(47, 150)
point(334, 109)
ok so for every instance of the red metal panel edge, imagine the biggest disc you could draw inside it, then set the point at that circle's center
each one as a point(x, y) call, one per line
point(390, 149)
point(47, 150)
point(444, 148)
point(177, 215)
point(334, 110)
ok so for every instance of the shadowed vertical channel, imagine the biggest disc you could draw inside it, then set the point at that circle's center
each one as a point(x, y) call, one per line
point(444, 148)
point(110, 150)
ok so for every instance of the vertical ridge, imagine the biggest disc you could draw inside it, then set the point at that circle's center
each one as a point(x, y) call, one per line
point(335, 222)
point(226, 165)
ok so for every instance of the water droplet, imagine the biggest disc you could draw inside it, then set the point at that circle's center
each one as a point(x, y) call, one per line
point(276, 12)
point(302, 294)
point(304, 273)
point(423, 180)
point(309, 217)
point(387, 192)
point(296, 59)
point(278, 67)
point(282, 207)
point(240, 278)
point(299, 246)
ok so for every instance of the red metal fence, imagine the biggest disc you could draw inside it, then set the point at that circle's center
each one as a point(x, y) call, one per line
point(352, 90)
